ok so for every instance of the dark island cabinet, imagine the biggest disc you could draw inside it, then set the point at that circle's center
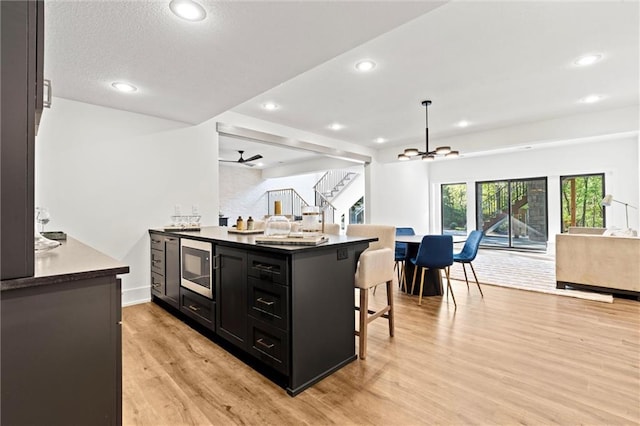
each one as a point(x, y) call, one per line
point(165, 268)
point(231, 295)
point(289, 308)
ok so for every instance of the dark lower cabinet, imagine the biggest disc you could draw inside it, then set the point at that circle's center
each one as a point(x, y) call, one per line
point(61, 354)
point(198, 308)
point(231, 295)
point(165, 268)
point(172, 270)
point(269, 344)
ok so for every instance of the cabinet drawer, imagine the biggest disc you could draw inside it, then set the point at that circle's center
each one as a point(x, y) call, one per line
point(157, 284)
point(268, 268)
point(157, 242)
point(269, 302)
point(198, 308)
point(157, 261)
point(269, 344)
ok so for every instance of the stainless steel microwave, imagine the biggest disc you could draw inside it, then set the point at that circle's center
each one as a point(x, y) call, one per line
point(196, 268)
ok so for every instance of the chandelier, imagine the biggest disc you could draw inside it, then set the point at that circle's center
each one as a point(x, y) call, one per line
point(427, 155)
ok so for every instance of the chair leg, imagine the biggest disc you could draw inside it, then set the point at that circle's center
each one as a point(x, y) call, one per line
point(446, 271)
point(413, 283)
point(364, 313)
point(390, 303)
point(404, 277)
point(421, 287)
point(465, 275)
point(476, 277)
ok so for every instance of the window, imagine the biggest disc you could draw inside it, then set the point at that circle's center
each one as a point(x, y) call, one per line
point(580, 201)
point(454, 208)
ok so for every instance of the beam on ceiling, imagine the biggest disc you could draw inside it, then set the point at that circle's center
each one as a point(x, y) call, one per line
point(284, 142)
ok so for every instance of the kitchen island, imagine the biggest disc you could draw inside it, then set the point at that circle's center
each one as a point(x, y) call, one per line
point(288, 307)
point(61, 340)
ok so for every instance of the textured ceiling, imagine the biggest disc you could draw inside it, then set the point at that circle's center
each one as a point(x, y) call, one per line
point(494, 64)
point(190, 71)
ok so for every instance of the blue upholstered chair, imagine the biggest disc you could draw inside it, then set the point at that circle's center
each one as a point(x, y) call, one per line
point(468, 254)
point(435, 252)
point(401, 254)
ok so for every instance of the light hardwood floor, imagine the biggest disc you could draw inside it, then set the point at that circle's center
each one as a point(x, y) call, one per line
point(514, 357)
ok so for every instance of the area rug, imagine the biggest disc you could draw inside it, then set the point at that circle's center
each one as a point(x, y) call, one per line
point(524, 271)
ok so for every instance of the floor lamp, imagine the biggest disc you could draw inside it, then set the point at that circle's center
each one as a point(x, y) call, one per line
point(608, 199)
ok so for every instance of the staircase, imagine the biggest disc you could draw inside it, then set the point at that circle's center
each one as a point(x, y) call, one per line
point(291, 202)
point(496, 207)
point(330, 185)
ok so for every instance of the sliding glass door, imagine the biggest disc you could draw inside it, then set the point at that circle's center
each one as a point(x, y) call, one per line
point(513, 213)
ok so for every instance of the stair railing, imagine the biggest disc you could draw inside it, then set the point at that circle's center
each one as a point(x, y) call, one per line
point(290, 200)
point(330, 185)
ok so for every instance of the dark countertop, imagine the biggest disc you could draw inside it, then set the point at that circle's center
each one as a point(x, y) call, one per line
point(220, 234)
point(71, 261)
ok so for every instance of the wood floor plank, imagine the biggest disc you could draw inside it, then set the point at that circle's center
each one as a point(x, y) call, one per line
point(510, 357)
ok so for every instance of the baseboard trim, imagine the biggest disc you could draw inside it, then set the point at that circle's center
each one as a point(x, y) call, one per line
point(135, 296)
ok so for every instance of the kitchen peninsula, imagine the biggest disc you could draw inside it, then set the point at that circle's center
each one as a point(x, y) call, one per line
point(288, 307)
point(61, 340)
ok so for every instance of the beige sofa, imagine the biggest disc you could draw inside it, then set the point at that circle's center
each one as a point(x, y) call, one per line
point(598, 262)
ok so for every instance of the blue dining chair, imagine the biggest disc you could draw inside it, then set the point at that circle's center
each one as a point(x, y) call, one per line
point(468, 254)
point(401, 254)
point(435, 252)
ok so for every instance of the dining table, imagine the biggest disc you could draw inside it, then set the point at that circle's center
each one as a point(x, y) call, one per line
point(432, 277)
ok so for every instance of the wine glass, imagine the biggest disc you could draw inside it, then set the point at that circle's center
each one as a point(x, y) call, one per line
point(42, 217)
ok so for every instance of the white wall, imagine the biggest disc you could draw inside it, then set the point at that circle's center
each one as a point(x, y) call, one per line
point(418, 204)
point(398, 195)
point(107, 176)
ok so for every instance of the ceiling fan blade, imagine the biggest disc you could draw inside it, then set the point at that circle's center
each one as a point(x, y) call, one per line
point(254, 158)
point(248, 164)
point(228, 161)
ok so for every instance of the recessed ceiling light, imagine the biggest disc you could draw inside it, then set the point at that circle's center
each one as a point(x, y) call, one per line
point(270, 106)
point(591, 99)
point(124, 87)
point(463, 123)
point(259, 164)
point(187, 9)
point(336, 126)
point(366, 65)
point(379, 140)
point(586, 60)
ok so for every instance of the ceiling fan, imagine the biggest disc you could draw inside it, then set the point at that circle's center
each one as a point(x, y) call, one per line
point(241, 160)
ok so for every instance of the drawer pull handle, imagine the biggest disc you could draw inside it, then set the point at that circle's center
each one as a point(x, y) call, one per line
point(154, 261)
point(262, 343)
point(265, 302)
point(265, 268)
point(155, 241)
point(194, 308)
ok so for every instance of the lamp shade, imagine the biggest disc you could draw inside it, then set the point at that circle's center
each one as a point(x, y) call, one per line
point(607, 200)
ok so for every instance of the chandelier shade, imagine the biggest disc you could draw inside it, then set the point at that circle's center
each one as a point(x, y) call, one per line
point(427, 155)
